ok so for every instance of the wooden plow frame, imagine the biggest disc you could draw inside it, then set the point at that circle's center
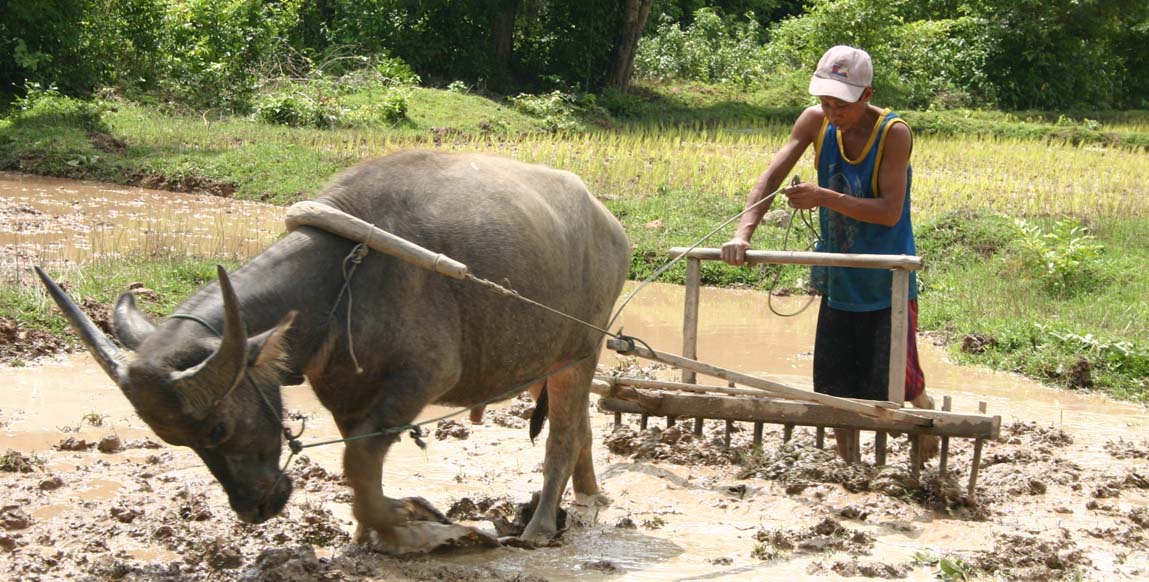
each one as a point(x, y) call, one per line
point(763, 401)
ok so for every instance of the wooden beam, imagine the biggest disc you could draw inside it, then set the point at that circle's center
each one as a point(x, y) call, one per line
point(335, 221)
point(627, 347)
point(899, 336)
point(690, 315)
point(906, 262)
point(944, 456)
point(730, 389)
point(781, 411)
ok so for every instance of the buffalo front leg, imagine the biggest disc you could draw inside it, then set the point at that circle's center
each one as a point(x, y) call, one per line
point(399, 524)
point(363, 467)
point(568, 394)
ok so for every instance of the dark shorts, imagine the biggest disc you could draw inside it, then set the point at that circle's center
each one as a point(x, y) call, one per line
point(852, 354)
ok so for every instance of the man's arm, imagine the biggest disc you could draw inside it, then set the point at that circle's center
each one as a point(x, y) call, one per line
point(886, 208)
point(804, 132)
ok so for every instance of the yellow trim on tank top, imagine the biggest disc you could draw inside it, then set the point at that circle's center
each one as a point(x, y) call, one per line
point(818, 142)
point(869, 143)
point(882, 150)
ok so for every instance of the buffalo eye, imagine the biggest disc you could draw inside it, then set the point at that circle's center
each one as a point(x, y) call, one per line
point(217, 435)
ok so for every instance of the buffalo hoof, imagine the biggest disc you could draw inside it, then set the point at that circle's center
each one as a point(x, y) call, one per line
point(540, 537)
point(596, 500)
point(585, 508)
point(420, 537)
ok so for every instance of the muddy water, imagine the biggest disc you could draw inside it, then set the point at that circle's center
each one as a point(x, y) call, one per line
point(50, 221)
point(689, 525)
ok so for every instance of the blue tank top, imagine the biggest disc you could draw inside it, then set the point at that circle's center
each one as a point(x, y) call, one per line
point(847, 288)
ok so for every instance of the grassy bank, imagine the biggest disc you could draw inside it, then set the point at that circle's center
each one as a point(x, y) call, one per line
point(671, 184)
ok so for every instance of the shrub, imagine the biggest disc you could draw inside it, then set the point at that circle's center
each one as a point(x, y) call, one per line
point(396, 71)
point(47, 107)
point(299, 110)
point(556, 109)
point(1063, 259)
point(710, 50)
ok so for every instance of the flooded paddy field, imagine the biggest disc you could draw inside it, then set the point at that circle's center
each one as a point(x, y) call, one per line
point(87, 492)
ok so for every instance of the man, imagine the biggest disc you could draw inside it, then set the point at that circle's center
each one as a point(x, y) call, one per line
point(862, 155)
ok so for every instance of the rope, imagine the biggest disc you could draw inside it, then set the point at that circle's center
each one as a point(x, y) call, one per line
point(417, 428)
point(515, 294)
point(198, 320)
point(697, 243)
point(354, 258)
point(805, 217)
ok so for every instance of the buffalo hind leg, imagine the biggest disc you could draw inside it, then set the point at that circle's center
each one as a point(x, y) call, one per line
point(568, 449)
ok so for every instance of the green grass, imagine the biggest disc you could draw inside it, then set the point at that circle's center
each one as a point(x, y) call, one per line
point(675, 163)
point(172, 279)
point(974, 285)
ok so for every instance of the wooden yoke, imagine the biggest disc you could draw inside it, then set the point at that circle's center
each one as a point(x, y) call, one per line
point(353, 228)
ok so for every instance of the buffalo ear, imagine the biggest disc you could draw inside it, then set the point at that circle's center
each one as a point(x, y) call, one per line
point(268, 350)
point(130, 324)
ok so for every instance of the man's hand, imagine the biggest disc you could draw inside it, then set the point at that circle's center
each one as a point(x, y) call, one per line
point(805, 196)
point(734, 252)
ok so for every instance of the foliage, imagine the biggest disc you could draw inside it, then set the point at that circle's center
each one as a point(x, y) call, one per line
point(395, 71)
point(212, 49)
point(709, 50)
point(1059, 54)
point(297, 109)
point(41, 42)
point(1062, 259)
point(556, 109)
point(47, 107)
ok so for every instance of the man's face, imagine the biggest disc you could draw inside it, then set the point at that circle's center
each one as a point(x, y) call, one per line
point(844, 114)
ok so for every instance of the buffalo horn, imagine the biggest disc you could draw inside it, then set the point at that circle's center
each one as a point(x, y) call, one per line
point(107, 354)
point(130, 325)
point(223, 369)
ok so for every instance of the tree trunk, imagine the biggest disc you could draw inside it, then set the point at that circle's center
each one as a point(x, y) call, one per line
point(502, 37)
point(633, 15)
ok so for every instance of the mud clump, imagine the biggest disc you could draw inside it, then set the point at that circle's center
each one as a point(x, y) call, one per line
point(51, 483)
point(798, 466)
point(110, 444)
point(1140, 517)
point(483, 508)
point(74, 444)
point(14, 518)
point(827, 536)
point(284, 565)
point(516, 414)
point(675, 444)
point(1029, 557)
point(190, 183)
point(1034, 435)
point(19, 344)
point(861, 569)
point(1122, 449)
point(16, 462)
point(451, 429)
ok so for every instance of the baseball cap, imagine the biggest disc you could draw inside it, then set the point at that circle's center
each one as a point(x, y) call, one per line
point(843, 72)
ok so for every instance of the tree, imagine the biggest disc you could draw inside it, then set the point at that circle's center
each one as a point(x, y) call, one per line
point(632, 21)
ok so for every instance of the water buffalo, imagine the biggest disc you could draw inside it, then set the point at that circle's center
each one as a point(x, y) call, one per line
point(411, 337)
